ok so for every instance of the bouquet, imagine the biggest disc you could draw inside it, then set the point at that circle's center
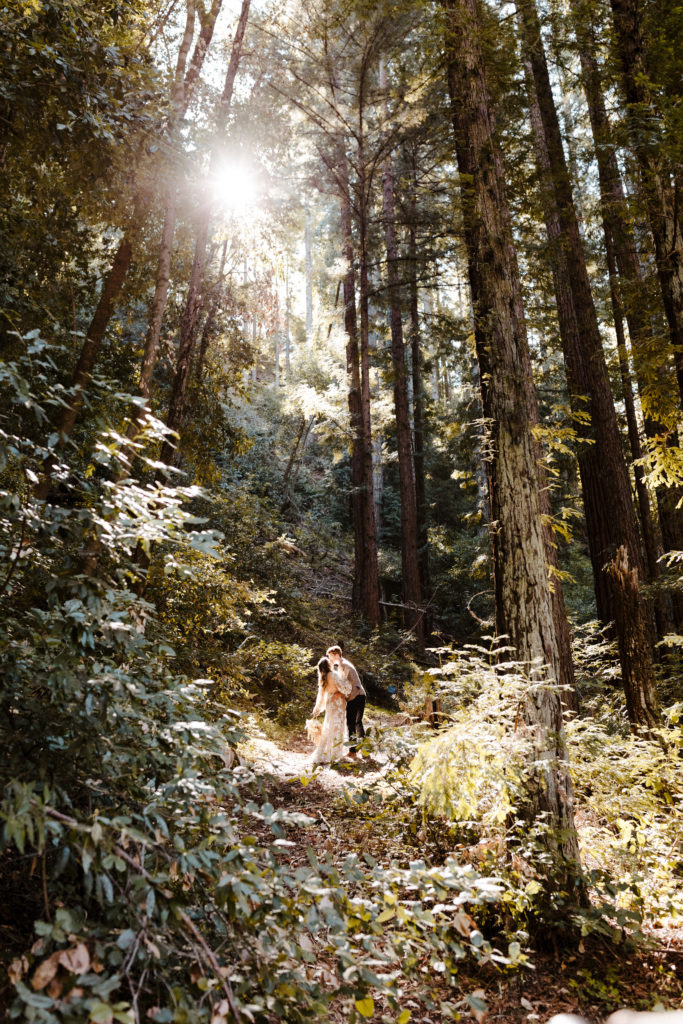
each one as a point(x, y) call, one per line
point(314, 727)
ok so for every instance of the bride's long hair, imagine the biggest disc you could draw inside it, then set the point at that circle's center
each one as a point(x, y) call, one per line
point(324, 668)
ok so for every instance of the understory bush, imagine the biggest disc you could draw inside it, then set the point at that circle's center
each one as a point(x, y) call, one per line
point(630, 793)
point(155, 881)
point(628, 789)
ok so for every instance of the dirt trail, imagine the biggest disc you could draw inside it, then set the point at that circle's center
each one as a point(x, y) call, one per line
point(292, 763)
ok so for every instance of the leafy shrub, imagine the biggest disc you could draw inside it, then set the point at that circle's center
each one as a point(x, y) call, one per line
point(119, 783)
point(631, 790)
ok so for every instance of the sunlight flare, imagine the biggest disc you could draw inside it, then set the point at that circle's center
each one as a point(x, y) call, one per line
point(236, 187)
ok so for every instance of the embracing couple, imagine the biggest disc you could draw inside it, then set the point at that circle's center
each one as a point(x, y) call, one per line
point(342, 697)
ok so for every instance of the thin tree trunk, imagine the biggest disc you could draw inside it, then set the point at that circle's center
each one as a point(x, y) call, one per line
point(287, 500)
point(277, 334)
point(210, 321)
point(410, 574)
point(370, 595)
point(93, 339)
point(288, 367)
point(522, 593)
point(354, 400)
point(418, 402)
point(208, 21)
point(309, 280)
point(662, 606)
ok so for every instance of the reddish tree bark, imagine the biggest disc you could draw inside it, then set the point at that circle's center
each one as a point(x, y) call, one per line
point(410, 569)
point(358, 495)
point(640, 685)
point(657, 178)
point(371, 590)
point(522, 594)
point(629, 302)
point(610, 516)
point(418, 403)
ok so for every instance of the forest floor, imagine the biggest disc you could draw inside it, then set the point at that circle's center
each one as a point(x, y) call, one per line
point(593, 980)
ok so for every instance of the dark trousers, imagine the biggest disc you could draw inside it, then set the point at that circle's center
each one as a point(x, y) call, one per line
point(354, 719)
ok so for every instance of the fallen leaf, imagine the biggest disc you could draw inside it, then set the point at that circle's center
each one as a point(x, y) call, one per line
point(365, 1007)
point(75, 960)
point(478, 1005)
point(463, 923)
point(17, 969)
point(220, 1012)
point(54, 989)
point(45, 972)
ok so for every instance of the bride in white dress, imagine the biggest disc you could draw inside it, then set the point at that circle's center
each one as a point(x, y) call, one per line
point(333, 691)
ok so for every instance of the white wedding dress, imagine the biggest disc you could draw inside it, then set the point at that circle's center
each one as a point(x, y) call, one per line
point(334, 735)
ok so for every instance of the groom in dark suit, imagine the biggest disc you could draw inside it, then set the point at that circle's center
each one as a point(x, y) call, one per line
point(355, 705)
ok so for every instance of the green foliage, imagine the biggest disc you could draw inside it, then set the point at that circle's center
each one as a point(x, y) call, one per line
point(474, 770)
point(627, 790)
point(631, 792)
point(281, 675)
point(164, 885)
point(78, 100)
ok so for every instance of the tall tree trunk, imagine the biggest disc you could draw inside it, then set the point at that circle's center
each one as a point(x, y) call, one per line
point(98, 325)
point(309, 280)
point(629, 300)
point(596, 501)
point(277, 333)
point(288, 367)
point(410, 569)
point(522, 593)
point(659, 192)
point(418, 402)
point(639, 681)
point(208, 21)
point(176, 403)
point(354, 400)
point(610, 516)
point(662, 606)
point(210, 321)
point(370, 596)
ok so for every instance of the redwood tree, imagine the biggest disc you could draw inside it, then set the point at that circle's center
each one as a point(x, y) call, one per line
point(523, 601)
point(410, 569)
point(610, 517)
point(657, 172)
